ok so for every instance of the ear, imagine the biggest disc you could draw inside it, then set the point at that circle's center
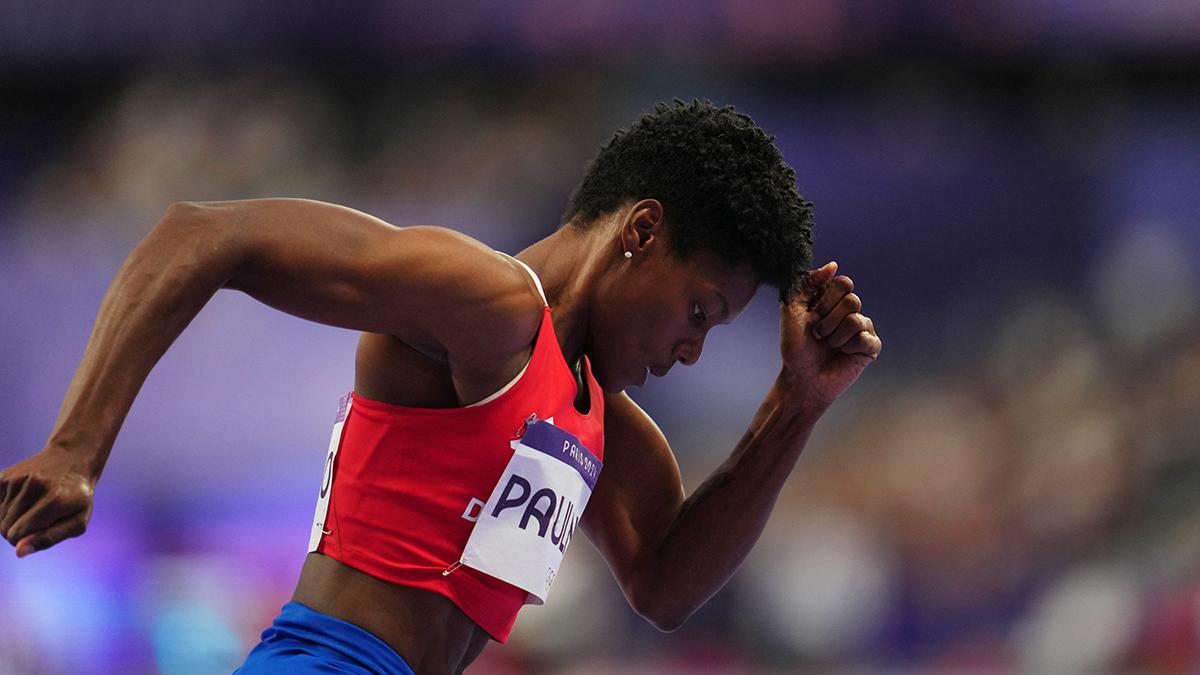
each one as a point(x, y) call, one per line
point(643, 227)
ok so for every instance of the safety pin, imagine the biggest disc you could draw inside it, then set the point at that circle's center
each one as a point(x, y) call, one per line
point(446, 572)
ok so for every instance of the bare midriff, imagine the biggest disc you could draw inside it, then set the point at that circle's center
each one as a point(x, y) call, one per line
point(433, 635)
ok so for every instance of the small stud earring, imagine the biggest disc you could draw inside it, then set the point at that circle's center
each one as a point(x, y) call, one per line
point(628, 255)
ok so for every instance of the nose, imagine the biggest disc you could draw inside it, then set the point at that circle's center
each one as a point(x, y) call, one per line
point(688, 351)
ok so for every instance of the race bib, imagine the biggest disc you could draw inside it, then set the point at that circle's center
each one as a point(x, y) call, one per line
point(335, 442)
point(523, 529)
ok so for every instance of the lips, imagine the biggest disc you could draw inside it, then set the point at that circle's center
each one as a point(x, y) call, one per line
point(660, 372)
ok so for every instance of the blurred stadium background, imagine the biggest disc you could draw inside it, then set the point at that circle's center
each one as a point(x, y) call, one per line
point(1014, 186)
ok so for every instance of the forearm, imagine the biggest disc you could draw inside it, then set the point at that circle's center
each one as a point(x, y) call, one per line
point(720, 522)
point(159, 289)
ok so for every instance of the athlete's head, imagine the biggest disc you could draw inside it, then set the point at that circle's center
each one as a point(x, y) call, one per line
point(704, 201)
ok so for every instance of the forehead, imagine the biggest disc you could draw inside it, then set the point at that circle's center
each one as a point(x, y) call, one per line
point(707, 273)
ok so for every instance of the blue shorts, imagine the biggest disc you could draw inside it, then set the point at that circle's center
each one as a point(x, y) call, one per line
point(303, 640)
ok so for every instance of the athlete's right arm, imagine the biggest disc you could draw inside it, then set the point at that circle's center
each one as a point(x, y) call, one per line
point(318, 261)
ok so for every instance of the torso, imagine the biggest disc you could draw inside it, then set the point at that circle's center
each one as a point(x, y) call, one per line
point(393, 371)
point(432, 634)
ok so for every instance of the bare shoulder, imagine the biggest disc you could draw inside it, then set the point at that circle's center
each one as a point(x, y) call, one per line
point(639, 492)
point(636, 451)
point(481, 304)
point(626, 422)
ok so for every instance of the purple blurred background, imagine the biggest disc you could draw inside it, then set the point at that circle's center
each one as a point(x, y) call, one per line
point(1014, 186)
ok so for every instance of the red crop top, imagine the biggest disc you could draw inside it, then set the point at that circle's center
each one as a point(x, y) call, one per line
point(403, 479)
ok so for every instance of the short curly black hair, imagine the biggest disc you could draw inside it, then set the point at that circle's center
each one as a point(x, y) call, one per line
point(723, 184)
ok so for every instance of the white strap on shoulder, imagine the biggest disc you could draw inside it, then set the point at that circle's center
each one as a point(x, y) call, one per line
point(536, 280)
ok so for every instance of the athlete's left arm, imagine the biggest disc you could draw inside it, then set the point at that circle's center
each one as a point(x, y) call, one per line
point(669, 553)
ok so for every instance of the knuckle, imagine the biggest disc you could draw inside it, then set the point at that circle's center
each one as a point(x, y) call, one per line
point(853, 301)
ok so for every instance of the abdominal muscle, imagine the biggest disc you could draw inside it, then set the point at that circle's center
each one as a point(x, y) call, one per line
point(432, 634)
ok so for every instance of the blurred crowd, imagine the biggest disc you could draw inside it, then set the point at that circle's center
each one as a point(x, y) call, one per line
point(1013, 487)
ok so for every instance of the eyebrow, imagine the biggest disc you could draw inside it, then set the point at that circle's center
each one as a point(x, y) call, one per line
point(724, 303)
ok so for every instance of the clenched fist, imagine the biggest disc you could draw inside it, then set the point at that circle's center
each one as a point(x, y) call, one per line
point(825, 338)
point(43, 500)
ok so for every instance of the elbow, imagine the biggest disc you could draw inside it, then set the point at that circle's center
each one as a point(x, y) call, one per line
point(184, 222)
point(212, 222)
point(202, 235)
point(658, 607)
point(668, 623)
point(182, 214)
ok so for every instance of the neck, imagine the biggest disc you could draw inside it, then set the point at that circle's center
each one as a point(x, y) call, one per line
point(569, 268)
